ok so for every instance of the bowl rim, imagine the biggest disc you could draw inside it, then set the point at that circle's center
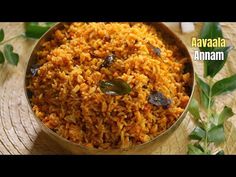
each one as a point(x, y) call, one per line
point(133, 147)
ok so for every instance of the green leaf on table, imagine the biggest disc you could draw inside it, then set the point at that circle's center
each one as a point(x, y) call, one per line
point(203, 85)
point(194, 150)
point(216, 134)
point(35, 29)
point(194, 109)
point(204, 90)
point(214, 119)
point(224, 115)
point(197, 134)
point(221, 152)
point(210, 30)
point(12, 58)
point(211, 67)
point(2, 59)
point(197, 144)
point(224, 85)
point(204, 100)
point(1, 35)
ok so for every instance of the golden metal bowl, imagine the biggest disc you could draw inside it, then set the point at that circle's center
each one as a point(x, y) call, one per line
point(144, 148)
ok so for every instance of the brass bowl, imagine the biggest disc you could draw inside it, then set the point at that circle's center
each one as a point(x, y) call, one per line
point(144, 148)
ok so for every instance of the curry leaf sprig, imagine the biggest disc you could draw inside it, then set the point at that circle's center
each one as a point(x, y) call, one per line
point(32, 30)
point(8, 53)
point(209, 131)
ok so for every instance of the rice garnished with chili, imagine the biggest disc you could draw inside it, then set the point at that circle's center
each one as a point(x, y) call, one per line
point(66, 93)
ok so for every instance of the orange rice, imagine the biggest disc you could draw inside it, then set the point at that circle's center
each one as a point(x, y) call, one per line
point(68, 100)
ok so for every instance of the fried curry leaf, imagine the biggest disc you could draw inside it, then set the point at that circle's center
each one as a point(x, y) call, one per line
point(108, 61)
point(34, 69)
point(158, 99)
point(2, 59)
point(29, 93)
point(12, 58)
point(35, 29)
point(115, 87)
point(155, 50)
point(1, 35)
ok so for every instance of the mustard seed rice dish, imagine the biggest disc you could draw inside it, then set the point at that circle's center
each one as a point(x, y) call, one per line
point(108, 85)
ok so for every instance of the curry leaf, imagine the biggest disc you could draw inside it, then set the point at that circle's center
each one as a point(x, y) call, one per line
point(204, 90)
point(210, 30)
point(194, 150)
point(154, 50)
point(224, 115)
point(197, 134)
point(211, 67)
point(197, 144)
point(216, 134)
point(224, 85)
point(203, 85)
point(2, 59)
point(12, 58)
point(194, 109)
point(204, 99)
point(115, 87)
point(214, 119)
point(1, 35)
point(36, 30)
point(221, 152)
point(212, 131)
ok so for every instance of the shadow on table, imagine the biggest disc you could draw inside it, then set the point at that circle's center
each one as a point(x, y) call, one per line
point(44, 145)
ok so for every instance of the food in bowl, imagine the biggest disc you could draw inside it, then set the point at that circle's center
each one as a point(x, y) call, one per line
point(109, 85)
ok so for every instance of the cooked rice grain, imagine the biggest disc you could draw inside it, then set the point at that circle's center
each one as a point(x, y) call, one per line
point(67, 99)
